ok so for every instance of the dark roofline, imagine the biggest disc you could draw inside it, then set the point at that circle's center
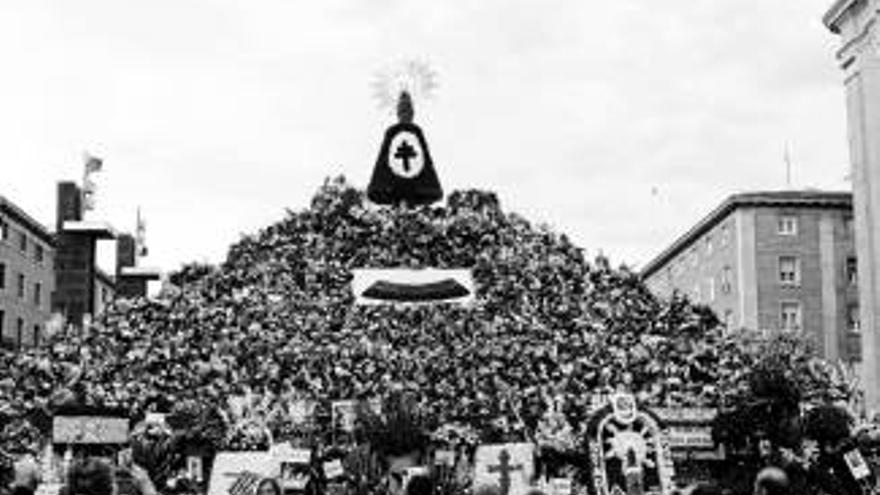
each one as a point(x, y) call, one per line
point(835, 14)
point(20, 216)
point(791, 199)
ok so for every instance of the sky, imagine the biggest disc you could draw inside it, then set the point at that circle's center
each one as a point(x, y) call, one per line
point(618, 123)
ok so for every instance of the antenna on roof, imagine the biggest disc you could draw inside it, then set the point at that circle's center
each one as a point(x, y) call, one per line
point(787, 158)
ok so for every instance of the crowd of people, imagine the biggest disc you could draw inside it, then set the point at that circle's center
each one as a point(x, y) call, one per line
point(277, 324)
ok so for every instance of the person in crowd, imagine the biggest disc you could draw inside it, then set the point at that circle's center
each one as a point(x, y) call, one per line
point(89, 476)
point(420, 485)
point(706, 489)
point(772, 481)
point(27, 476)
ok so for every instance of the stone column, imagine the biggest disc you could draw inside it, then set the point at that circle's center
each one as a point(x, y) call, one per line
point(856, 21)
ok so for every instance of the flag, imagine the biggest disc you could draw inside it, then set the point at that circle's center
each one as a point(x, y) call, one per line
point(88, 193)
point(93, 163)
point(246, 484)
point(141, 234)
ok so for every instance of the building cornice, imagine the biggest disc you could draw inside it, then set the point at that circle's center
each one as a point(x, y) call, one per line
point(833, 15)
point(782, 199)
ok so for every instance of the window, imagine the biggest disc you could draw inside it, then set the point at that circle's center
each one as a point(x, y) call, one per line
point(697, 294)
point(787, 225)
point(725, 235)
point(2, 321)
point(2, 275)
point(852, 271)
point(711, 291)
point(22, 241)
point(39, 253)
point(848, 225)
point(853, 321)
point(38, 297)
point(709, 245)
point(36, 336)
point(19, 332)
point(726, 277)
point(789, 270)
point(790, 315)
point(21, 285)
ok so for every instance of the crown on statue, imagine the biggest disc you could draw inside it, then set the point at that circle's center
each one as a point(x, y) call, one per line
point(405, 110)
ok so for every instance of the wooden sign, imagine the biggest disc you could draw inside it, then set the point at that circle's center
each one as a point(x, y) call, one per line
point(81, 430)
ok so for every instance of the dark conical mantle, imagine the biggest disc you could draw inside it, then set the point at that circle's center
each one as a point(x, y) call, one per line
point(404, 171)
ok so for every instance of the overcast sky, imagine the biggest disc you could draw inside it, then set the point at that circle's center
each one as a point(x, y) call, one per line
point(620, 123)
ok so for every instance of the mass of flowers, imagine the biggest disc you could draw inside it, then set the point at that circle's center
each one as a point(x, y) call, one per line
point(276, 329)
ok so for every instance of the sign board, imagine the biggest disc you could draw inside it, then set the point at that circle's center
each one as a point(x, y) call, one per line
point(344, 415)
point(49, 489)
point(444, 457)
point(685, 414)
point(690, 437)
point(857, 465)
point(509, 466)
point(194, 468)
point(333, 469)
point(561, 486)
point(294, 466)
point(89, 430)
point(239, 473)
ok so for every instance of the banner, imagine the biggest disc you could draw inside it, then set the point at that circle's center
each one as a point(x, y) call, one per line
point(373, 286)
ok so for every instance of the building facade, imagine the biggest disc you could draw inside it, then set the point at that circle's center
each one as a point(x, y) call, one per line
point(81, 288)
point(856, 22)
point(770, 261)
point(44, 273)
point(27, 276)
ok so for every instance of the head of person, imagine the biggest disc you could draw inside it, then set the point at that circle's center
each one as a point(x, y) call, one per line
point(269, 486)
point(420, 485)
point(706, 489)
point(488, 489)
point(772, 481)
point(90, 477)
point(27, 474)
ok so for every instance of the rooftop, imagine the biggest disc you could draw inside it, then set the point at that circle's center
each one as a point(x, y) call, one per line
point(792, 199)
point(20, 216)
point(144, 272)
point(100, 230)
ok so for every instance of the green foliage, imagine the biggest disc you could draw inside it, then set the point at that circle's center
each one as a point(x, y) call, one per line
point(191, 273)
point(398, 430)
point(827, 424)
point(781, 373)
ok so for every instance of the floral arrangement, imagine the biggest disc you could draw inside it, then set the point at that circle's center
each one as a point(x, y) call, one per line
point(249, 435)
